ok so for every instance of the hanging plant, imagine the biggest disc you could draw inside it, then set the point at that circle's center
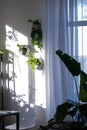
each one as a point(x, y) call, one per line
point(35, 63)
point(36, 33)
point(36, 40)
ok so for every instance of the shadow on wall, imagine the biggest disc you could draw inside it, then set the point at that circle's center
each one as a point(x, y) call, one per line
point(16, 102)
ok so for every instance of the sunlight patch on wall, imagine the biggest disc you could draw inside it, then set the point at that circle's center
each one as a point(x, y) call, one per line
point(17, 68)
point(40, 95)
point(11, 43)
point(18, 71)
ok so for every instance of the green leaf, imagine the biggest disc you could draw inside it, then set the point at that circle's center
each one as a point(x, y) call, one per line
point(83, 87)
point(62, 111)
point(1, 51)
point(72, 65)
point(83, 109)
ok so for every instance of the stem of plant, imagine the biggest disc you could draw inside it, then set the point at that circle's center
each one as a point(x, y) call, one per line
point(76, 88)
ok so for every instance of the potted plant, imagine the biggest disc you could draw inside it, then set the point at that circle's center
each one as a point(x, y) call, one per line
point(36, 33)
point(34, 62)
point(76, 110)
point(36, 41)
point(22, 49)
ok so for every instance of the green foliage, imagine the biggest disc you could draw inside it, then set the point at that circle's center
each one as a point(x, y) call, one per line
point(36, 33)
point(36, 40)
point(83, 87)
point(62, 111)
point(1, 51)
point(75, 69)
point(72, 65)
point(34, 62)
point(72, 108)
point(20, 47)
point(77, 110)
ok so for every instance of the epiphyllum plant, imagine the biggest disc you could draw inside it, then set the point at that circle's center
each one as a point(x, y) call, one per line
point(78, 109)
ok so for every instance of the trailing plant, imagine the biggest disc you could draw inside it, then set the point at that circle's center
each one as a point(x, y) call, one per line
point(36, 40)
point(35, 63)
point(36, 33)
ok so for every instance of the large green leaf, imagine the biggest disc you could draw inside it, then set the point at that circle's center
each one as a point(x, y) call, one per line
point(83, 110)
point(72, 65)
point(62, 111)
point(83, 87)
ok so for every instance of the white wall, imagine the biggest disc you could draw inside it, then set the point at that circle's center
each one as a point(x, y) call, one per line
point(15, 14)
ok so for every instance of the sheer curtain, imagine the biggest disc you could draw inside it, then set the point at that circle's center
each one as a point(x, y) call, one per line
point(59, 82)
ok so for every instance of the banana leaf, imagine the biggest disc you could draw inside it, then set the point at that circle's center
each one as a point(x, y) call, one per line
point(83, 87)
point(72, 107)
point(72, 65)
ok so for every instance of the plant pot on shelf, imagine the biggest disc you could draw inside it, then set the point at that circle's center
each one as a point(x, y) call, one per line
point(24, 51)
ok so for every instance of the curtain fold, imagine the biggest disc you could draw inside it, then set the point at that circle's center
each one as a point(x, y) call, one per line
point(48, 31)
point(59, 82)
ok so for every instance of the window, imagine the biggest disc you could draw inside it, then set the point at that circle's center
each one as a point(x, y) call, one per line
point(77, 29)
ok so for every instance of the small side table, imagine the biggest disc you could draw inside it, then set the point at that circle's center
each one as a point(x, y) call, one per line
point(4, 113)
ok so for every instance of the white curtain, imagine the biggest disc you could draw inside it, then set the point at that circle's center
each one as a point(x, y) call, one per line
point(59, 82)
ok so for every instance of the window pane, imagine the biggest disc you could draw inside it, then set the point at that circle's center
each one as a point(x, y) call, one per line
point(82, 46)
point(82, 10)
point(77, 37)
point(82, 40)
point(77, 10)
